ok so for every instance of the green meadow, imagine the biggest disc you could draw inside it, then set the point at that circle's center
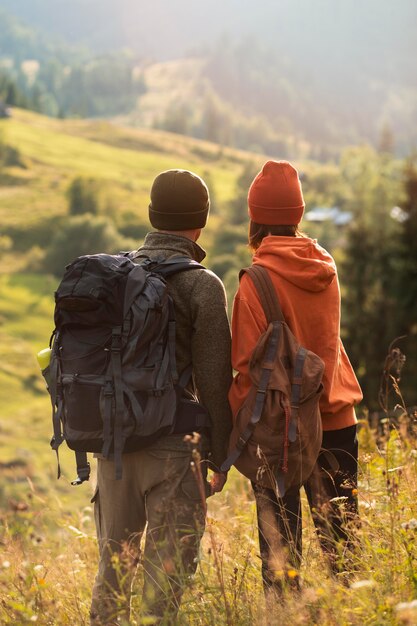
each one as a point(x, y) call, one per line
point(48, 552)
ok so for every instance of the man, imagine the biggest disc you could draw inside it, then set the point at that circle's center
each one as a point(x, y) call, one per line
point(160, 486)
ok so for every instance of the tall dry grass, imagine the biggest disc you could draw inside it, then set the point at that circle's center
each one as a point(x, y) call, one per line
point(49, 555)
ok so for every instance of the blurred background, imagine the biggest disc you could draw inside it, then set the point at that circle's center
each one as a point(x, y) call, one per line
point(98, 96)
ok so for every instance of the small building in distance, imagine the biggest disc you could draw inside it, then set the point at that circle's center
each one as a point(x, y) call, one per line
point(332, 214)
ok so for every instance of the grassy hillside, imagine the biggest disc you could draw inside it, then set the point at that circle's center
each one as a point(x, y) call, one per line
point(48, 551)
point(125, 162)
point(122, 162)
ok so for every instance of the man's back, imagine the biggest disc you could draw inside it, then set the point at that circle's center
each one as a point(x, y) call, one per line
point(202, 332)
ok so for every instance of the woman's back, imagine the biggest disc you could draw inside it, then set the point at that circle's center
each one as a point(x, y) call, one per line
point(305, 279)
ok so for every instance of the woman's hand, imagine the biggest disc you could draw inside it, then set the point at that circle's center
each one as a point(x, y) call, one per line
point(217, 482)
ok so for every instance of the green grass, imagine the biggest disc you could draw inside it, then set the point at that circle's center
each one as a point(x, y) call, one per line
point(125, 161)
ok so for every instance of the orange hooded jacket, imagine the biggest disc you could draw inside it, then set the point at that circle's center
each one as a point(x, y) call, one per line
point(305, 278)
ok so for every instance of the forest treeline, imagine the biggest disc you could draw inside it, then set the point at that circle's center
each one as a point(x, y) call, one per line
point(244, 92)
point(63, 81)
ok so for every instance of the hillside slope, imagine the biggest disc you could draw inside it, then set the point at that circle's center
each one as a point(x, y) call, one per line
point(124, 161)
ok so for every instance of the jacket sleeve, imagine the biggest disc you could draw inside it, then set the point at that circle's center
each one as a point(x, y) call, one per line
point(248, 324)
point(211, 358)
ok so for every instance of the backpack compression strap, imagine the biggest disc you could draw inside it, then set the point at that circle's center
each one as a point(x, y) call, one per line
point(134, 286)
point(267, 367)
point(165, 268)
point(272, 309)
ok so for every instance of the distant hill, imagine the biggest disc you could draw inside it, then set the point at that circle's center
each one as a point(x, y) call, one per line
point(321, 34)
point(293, 78)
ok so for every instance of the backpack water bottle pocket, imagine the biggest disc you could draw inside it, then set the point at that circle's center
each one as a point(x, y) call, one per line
point(82, 412)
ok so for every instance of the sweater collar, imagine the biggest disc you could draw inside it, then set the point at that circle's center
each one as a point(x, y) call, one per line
point(163, 242)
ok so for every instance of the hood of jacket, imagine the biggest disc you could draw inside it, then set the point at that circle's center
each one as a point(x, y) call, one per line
point(299, 260)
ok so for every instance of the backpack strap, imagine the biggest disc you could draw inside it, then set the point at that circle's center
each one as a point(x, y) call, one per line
point(175, 264)
point(273, 313)
point(115, 352)
point(270, 303)
point(83, 468)
point(164, 267)
point(267, 367)
point(266, 292)
point(55, 389)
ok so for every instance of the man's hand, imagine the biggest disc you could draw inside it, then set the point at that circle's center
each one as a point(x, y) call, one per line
point(217, 482)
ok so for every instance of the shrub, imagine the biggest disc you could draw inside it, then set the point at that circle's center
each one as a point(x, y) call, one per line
point(83, 234)
point(83, 196)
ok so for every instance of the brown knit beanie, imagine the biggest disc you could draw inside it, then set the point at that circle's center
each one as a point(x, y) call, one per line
point(275, 196)
point(179, 201)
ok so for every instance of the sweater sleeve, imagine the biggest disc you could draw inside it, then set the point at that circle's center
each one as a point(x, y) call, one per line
point(248, 324)
point(211, 346)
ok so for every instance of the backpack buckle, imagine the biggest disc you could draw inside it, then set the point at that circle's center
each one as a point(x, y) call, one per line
point(116, 339)
point(108, 388)
point(241, 443)
point(83, 475)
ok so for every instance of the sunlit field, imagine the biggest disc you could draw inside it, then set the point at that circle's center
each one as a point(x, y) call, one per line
point(48, 548)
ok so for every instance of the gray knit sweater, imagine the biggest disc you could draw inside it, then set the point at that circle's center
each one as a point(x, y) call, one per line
point(202, 332)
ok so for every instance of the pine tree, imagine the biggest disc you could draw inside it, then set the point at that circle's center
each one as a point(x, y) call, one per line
point(370, 319)
point(407, 281)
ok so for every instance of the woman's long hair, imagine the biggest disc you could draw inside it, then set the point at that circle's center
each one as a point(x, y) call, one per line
point(258, 231)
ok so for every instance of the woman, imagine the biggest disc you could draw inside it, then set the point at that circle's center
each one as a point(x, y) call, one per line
point(304, 277)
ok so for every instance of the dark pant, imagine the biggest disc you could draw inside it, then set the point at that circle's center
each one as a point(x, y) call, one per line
point(332, 497)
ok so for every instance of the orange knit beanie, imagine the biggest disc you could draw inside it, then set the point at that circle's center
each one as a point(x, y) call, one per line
point(275, 196)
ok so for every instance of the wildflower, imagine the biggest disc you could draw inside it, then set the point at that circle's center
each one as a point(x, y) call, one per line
point(38, 568)
point(77, 531)
point(368, 505)
point(354, 492)
point(410, 525)
point(292, 573)
point(406, 606)
point(34, 618)
point(6, 564)
point(362, 584)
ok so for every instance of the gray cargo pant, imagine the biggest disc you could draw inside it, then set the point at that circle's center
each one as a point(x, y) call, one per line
point(160, 489)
